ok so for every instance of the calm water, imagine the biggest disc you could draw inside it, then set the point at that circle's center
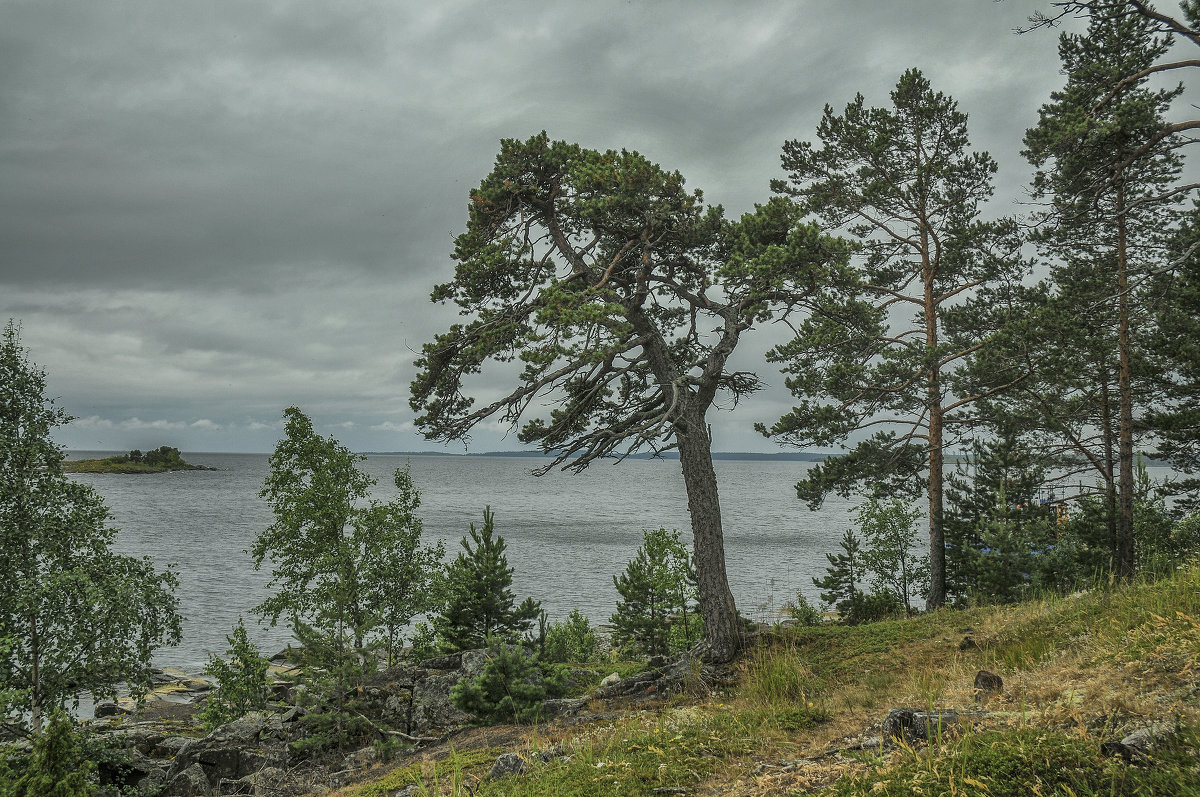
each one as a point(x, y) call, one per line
point(567, 534)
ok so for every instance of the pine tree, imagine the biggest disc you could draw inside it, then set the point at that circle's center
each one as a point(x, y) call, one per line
point(479, 597)
point(656, 590)
point(995, 521)
point(840, 583)
point(1107, 163)
point(887, 350)
point(614, 298)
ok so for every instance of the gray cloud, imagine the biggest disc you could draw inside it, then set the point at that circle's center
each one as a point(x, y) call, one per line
point(211, 210)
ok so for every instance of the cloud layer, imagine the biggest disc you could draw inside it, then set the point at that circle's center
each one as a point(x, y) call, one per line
point(210, 211)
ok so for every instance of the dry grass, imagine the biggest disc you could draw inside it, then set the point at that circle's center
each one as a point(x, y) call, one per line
point(1089, 666)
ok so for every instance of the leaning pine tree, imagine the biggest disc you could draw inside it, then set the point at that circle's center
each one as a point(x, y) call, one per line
point(614, 299)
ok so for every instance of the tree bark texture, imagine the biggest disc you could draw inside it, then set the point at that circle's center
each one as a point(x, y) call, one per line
point(1125, 562)
point(722, 629)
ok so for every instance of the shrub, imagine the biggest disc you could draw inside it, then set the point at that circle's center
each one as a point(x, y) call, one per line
point(571, 640)
point(803, 612)
point(56, 767)
point(511, 687)
point(241, 681)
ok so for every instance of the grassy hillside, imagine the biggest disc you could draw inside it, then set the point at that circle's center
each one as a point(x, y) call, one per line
point(1078, 671)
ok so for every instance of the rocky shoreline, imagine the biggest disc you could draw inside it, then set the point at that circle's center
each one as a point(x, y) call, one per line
point(410, 705)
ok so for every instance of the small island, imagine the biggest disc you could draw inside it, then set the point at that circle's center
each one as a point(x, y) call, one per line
point(159, 460)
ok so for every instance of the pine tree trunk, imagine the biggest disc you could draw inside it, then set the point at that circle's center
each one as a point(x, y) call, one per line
point(1110, 486)
point(937, 537)
point(1125, 563)
point(722, 630)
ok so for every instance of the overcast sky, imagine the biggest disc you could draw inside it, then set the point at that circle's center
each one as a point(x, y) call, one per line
point(212, 210)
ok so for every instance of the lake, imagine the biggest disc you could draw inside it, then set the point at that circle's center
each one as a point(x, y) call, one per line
point(567, 534)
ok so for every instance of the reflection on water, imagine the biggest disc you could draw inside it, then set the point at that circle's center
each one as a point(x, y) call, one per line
point(567, 534)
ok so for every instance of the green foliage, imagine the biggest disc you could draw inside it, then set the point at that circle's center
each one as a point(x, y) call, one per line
point(891, 555)
point(620, 296)
point(344, 567)
point(1102, 372)
point(904, 183)
point(511, 688)
point(571, 640)
point(842, 577)
point(479, 602)
point(424, 643)
point(1015, 763)
point(241, 681)
point(804, 613)
point(999, 534)
point(657, 589)
point(65, 593)
point(57, 766)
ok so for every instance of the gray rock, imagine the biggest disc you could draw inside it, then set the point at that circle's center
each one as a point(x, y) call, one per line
point(451, 661)
point(431, 706)
point(1137, 745)
point(912, 726)
point(509, 764)
point(565, 707)
point(236, 749)
point(611, 679)
point(108, 709)
point(987, 684)
point(397, 709)
point(473, 662)
point(189, 782)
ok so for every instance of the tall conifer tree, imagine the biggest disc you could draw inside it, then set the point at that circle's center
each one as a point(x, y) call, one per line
point(885, 354)
point(1108, 168)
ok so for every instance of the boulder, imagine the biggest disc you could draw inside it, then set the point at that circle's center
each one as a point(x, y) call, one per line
point(509, 764)
point(987, 684)
point(610, 679)
point(431, 706)
point(1136, 746)
point(912, 726)
point(189, 782)
point(110, 709)
point(235, 750)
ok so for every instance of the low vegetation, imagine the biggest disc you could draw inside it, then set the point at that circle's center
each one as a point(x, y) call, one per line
point(160, 460)
point(1079, 673)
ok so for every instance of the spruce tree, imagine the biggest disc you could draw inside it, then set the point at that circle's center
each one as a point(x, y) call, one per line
point(479, 597)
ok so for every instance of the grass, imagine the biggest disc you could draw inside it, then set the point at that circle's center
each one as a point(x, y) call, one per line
point(1078, 671)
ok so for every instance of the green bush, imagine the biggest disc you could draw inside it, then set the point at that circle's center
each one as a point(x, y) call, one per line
point(804, 613)
point(572, 640)
point(872, 607)
point(511, 687)
point(241, 681)
point(57, 766)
